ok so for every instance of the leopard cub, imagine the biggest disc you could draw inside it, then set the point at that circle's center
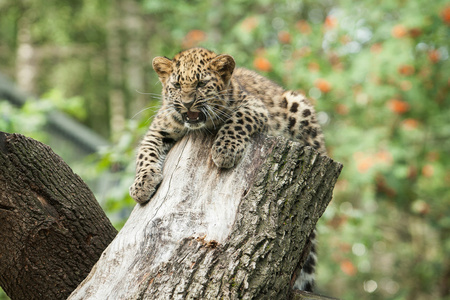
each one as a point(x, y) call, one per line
point(202, 90)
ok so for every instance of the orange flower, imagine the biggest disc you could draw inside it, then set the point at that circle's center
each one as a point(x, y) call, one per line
point(348, 267)
point(330, 22)
point(406, 70)
point(249, 24)
point(376, 48)
point(406, 85)
point(399, 31)
point(415, 32)
point(284, 37)
point(433, 156)
point(342, 109)
point(384, 156)
point(303, 27)
point(427, 171)
point(445, 15)
point(323, 85)
point(365, 165)
point(313, 67)
point(363, 162)
point(193, 38)
point(434, 56)
point(410, 124)
point(262, 64)
point(398, 106)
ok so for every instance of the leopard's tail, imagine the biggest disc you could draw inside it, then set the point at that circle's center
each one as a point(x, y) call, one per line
point(305, 277)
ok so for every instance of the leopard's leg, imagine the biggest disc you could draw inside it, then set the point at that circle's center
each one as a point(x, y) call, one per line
point(233, 137)
point(150, 157)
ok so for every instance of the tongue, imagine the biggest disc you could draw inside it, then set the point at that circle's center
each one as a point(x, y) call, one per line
point(193, 115)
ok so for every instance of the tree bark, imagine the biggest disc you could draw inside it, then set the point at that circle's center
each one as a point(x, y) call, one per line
point(52, 230)
point(211, 233)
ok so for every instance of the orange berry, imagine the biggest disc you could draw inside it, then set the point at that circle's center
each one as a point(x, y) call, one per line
point(323, 85)
point(399, 31)
point(262, 64)
point(398, 106)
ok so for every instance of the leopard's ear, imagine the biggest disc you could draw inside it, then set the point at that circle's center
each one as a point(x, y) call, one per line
point(224, 65)
point(163, 67)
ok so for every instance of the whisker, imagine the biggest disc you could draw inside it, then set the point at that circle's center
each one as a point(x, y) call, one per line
point(153, 94)
point(205, 111)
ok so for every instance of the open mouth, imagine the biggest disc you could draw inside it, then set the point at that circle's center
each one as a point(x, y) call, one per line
point(194, 117)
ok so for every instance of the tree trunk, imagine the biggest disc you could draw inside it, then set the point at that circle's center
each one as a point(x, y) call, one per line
point(52, 230)
point(211, 233)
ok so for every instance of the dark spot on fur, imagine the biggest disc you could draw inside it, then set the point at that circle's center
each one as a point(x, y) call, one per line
point(291, 122)
point(306, 113)
point(283, 103)
point(294, 107)
point(168, 140)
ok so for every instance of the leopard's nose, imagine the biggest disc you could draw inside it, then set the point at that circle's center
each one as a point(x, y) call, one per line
point(189, 104)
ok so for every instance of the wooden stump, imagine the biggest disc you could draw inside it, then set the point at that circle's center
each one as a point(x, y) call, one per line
point(211, 233)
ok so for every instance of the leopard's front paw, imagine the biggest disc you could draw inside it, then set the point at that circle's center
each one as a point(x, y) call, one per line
point(145, 186)
point(227, 155)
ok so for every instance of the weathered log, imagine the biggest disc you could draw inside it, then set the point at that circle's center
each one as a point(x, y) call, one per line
point(52, 230)
point(211, 233)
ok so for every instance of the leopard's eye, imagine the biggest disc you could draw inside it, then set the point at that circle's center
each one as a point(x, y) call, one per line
point(177, 85)
point(201, 83)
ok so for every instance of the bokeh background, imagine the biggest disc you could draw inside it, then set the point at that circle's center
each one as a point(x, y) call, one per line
point(377, 71)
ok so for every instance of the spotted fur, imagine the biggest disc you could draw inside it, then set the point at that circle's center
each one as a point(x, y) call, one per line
point(203, 91)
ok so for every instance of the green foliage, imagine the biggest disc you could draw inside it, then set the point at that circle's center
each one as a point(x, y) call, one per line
point(378, 72)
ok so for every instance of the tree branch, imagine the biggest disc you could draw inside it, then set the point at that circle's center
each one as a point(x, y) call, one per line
point(52, 229)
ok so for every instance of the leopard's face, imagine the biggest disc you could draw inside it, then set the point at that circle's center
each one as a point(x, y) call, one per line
point(194, 86)
point(195, 98)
